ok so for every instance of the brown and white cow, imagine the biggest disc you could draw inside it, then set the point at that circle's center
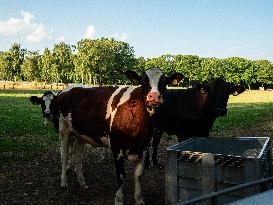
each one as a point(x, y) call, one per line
point(88, 115)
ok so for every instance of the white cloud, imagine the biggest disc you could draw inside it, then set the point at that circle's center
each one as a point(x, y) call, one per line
point(120, 36)
point(24, 27)
point(61, 38)
point(90, 32)
point(235, 48)
point(38, 34)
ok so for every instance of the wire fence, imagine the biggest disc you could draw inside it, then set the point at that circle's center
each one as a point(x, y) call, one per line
point(11, 85)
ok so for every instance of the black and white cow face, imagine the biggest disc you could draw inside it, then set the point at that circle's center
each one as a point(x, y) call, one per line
point(154, 84)
point(46, 103)
point(219, 92)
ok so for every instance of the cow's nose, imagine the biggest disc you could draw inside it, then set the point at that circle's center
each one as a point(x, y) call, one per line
point(47, 111)
point(154, 97)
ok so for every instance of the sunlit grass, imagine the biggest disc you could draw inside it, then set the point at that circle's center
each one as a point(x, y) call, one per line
point(250, 112)
point(22, 132)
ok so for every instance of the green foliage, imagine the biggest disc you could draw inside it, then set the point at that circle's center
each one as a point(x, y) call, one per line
point(30, 67)
point(97, 61)
point(103, 61)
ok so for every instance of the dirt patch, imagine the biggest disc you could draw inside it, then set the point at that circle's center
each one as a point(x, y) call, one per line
point(38, 181)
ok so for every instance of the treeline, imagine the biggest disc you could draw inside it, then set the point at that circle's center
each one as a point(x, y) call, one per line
point(103, 61)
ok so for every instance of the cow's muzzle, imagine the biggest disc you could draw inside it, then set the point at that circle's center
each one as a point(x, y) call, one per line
point(154, 98)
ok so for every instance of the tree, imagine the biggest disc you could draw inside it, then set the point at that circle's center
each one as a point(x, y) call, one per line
point(49, 73)
point(103, 61)
point(165, 62)
point(265, 71)
point(63, 62)
point(188, 65)
point(210, 68)
point(234, 68)
point(30, 67)
point(249, 75)
point(13, 59)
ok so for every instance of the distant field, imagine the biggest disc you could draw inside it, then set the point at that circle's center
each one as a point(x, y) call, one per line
point(249, 114)
point(22, 133)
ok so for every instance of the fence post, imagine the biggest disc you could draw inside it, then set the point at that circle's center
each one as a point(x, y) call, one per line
point(208, 179)
point(171, 178)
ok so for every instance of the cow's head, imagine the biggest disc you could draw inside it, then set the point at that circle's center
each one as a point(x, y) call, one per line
point(153, 83)
point(218, 95)
point(46, 102)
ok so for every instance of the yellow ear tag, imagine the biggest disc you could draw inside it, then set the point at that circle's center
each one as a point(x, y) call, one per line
point(174, 82)
point(135, 82)
point(202, 91)
point(235, 93)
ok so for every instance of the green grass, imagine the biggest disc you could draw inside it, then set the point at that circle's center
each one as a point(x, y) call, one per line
point(251, 113)
point(22, 133)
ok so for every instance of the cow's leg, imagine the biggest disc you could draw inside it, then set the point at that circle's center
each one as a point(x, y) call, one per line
point(156, 140)
point(45, 121)
point(147, 163)
point(105, 153)
point(64, 135)
point(64, 159)
point(138, 173)
point(70, 161)
point(121, 175)
point(79, 149)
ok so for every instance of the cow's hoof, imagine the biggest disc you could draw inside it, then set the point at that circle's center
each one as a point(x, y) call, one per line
point(64, 184)
point(84, 187)
point(140, 202)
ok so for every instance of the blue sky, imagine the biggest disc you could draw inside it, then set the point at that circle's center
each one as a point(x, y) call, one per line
point(208, 28)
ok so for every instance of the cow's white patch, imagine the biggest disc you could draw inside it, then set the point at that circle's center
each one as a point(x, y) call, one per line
point(47, 99)
point(109, 109)
point(154, 75)
point(110, 112)
point(119, 197)
point(121, 154)
point(138, 172)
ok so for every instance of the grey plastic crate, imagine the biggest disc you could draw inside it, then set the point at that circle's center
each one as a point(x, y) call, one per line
point(199, 166)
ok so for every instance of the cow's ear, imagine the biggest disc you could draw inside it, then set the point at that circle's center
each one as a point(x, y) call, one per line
point(174, 79)
point(133, 77)
point(35, 100)
point(237, 89)
point(203, 89)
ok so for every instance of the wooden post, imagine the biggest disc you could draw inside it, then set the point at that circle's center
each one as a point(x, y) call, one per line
point(4, 86)
point(251, 173)
point(208, 178)
point(171, 178)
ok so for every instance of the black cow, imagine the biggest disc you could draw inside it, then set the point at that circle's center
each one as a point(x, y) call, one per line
point(48, 103)
point(191, 113)
point(115, 117)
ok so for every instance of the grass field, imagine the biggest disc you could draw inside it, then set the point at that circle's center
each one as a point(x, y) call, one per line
point(22, 133)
